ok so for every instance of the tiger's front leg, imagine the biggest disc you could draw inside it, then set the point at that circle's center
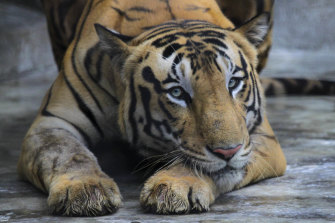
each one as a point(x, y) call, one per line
point(178, 190)
point(58, 162)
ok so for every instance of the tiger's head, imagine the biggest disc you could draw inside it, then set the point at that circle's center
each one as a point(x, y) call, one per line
point(190, 88)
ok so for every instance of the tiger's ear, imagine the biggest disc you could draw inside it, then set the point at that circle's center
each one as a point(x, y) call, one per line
point(113, 42)
point(256, 29)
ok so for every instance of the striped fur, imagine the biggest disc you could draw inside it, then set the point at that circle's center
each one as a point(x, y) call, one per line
point(175, 79)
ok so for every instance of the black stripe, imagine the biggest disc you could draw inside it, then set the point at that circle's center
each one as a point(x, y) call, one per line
point(88, 61)
point(246, 73)
point(163, 41)
point(88, 65)
point(216, 42)
point(244, 63)
point(169, 50)
point(98, 2)
point(217, 66)
point(167, 2)
point(73, 57)
point(256, 124)
point(252, 106)
point(212, 33)
point(189, 196)
point(257, 91)
point(169, 79)
point(46, 113)
point(176, 61)
point(248, 95)
point(259, 115)
point(132, 110)
point(237, 69)
point(158, 31)
point(167, 113)
point(124, 14)
point(221, 52)
point(81, 132)
point(196, 8)
point(140, 9)
point(146, 97)
point(149, 76)
point(84, 108)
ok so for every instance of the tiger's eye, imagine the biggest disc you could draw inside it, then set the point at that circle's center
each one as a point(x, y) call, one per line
point(176, 92)
point(232, 83)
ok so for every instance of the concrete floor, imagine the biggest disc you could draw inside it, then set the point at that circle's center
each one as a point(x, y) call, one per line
point(305, 127)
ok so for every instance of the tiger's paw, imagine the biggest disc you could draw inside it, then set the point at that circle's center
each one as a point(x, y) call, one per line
point(165, 194)
point(84, 196)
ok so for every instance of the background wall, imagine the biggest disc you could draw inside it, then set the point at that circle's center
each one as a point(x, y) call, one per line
point(305, 24)
point(304, 37)
point(24, 43)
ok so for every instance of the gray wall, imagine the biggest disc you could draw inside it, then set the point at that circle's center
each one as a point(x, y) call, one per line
point(304, 37)
point(304, 24)
point(24, 42)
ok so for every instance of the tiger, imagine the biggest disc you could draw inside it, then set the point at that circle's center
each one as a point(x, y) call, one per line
point(172, 78)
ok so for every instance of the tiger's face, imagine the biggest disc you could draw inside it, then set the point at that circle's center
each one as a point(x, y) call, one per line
point(192, 90)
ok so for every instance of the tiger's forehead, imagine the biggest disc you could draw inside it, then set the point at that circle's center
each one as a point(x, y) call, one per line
point(180, 54)
point(197, 52)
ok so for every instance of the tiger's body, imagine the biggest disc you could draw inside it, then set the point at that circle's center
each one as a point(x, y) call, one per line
point(170, 77)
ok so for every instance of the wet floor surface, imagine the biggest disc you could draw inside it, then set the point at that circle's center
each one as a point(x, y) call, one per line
point(305, 127)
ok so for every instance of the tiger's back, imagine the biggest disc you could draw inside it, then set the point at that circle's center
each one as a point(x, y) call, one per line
point(63, 17)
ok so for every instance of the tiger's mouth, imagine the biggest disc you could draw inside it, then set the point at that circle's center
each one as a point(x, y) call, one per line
point(213, 164)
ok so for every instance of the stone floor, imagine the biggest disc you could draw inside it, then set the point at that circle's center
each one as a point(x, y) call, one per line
point(305, 127)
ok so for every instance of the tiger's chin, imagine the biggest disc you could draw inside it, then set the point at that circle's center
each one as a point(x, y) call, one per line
point(226, 174)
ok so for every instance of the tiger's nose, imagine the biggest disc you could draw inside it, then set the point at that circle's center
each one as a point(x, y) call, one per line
point(226, 153)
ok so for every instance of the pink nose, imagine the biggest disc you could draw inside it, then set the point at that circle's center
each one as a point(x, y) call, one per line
point(227, 153)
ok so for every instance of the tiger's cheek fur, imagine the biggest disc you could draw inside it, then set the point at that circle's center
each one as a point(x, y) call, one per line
point(144, 122)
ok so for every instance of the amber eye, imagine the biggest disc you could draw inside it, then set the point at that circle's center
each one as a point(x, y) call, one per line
point(233, 83)
point(176, 92)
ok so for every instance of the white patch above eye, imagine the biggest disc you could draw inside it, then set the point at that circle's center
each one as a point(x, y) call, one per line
point(182, 103)
point(237, 89)
point(185, 76)
point(228, 68)
point(182, 76)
